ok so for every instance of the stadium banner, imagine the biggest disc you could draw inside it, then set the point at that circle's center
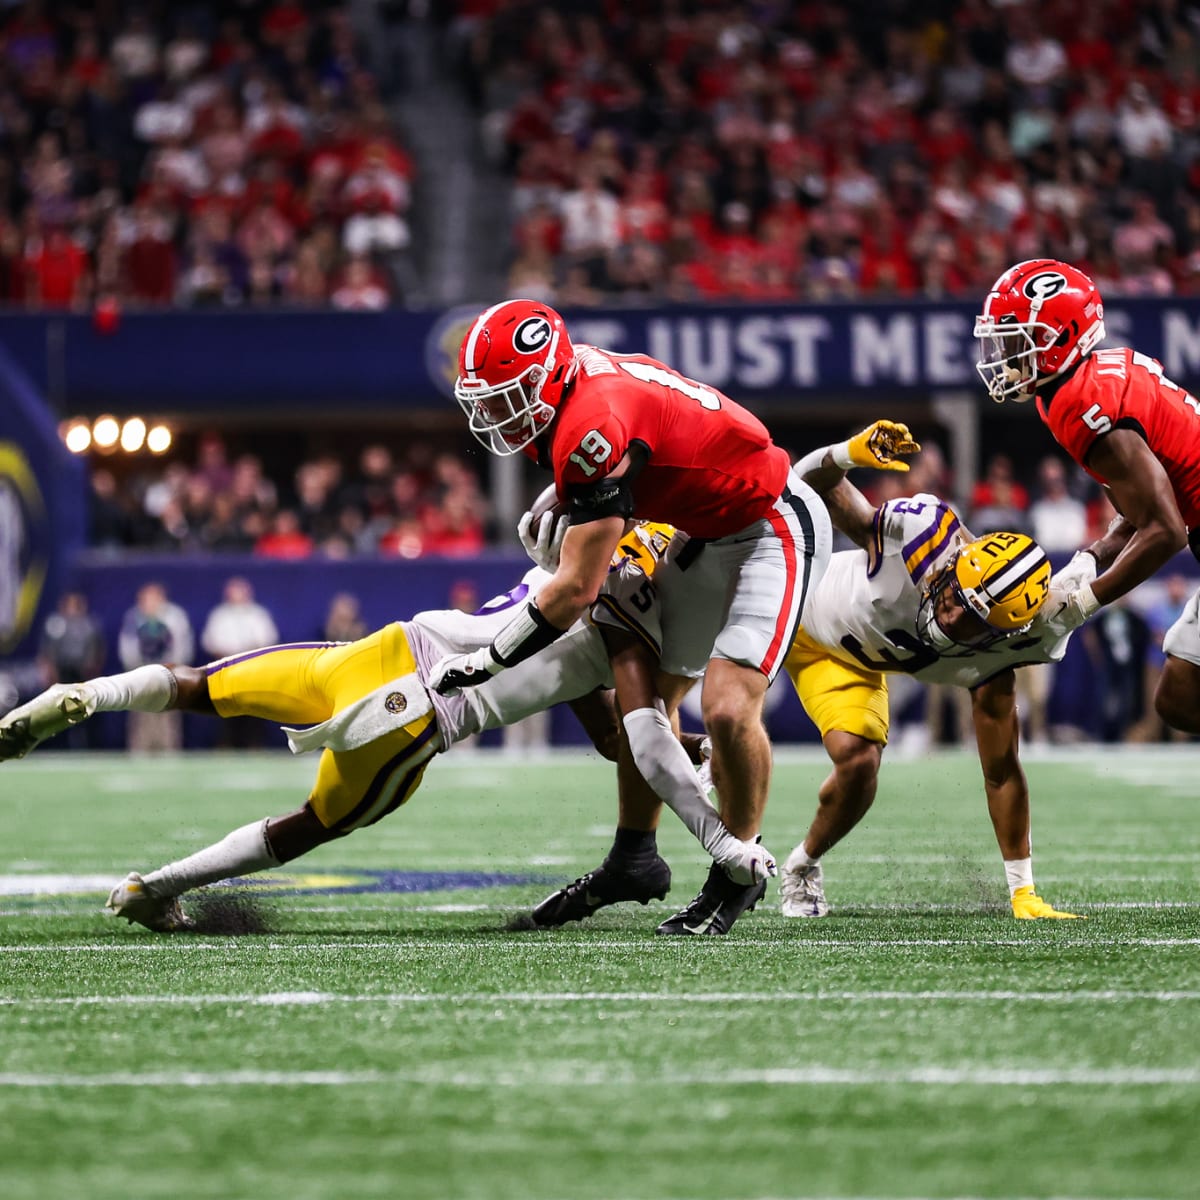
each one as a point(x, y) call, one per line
point(773, 355)
point(43, 493)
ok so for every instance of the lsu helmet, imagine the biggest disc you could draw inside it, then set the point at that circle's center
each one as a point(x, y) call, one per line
point(513, 366)
point(1000, 582)
point(644, 544)
point(1040, 318)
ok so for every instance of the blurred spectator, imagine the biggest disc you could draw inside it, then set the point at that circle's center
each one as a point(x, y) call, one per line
point(1118, 639)
point(72, 648)
point(1057, 520)
point(361, 289)
point(154, 631)
point(236, 625)
point(1142, 127)
point(285, 538)
point(344, 621)
point(998, 501)
point(1172, 599)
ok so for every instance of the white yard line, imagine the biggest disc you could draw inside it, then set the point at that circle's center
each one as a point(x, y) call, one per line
point(574, 1075)
point(527, 942)
point(397, 999)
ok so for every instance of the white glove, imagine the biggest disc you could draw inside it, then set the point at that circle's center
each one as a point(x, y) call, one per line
point(747, 862)
point(1080, 570)
point(457, 671)
point(544, 545)
point(1065, 611)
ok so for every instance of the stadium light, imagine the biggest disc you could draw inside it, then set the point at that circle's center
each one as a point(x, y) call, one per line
point(158, 440)
point(133, 435)
point(78, 437)
point(105, 432)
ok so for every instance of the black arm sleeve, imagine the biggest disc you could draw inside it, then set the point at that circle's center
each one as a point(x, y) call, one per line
point(611, 496)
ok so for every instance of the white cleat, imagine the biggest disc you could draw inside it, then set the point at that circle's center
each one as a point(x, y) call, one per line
point(134, 901)
point(57, 708)
point(802, 891)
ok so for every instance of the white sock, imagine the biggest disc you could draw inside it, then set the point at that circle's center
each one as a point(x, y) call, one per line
point(1019, 872)
point(799, 859)
point(241, 852)
point(144, 689)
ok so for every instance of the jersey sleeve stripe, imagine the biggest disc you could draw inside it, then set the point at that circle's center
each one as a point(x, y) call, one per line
point(921, 552)
point(630, 622)
point(875, 549)
point(940, 512)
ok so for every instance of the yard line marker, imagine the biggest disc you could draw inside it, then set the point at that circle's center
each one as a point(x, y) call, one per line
point(82, 906)
point(572, 1074)
point(306, 999)
point(497, 942)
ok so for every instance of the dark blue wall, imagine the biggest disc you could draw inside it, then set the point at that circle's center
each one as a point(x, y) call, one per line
point(214, 362)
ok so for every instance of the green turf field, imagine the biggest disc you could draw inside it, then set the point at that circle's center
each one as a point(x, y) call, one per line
point(918, 1043)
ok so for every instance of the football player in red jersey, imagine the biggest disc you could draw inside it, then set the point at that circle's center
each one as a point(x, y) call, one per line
point(1128, 426)
point(627, 437)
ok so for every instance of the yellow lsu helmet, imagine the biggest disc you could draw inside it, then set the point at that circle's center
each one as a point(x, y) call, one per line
point(1000, 582)
point(645, 544)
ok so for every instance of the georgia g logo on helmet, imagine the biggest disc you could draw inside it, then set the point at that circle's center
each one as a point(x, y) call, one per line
point(1044, 285)
point(531, 335)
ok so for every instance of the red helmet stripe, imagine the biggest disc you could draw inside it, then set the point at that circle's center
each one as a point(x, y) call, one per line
point(473, 337)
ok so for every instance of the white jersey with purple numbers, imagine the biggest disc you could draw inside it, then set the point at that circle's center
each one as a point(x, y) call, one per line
point(572, 666)
point(864, 611)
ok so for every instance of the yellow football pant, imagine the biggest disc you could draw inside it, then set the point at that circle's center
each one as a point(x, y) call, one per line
point(837, 695)
point(307, 682)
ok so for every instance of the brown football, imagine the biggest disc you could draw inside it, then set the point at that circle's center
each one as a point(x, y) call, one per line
point(547, 501)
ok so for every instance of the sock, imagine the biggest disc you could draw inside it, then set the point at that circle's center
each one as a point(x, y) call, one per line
point(241, 852)
point(144, 689)
point(799, 859)
point(1019, 872)
point(631, 847)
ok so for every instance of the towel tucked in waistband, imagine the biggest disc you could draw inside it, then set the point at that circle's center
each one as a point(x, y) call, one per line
point(385, 710)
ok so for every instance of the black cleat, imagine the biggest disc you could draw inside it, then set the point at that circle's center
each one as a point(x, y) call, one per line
point(606, 885)
point(719, 903)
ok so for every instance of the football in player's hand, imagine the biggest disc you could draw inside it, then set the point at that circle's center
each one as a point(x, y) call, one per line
point(547, 501)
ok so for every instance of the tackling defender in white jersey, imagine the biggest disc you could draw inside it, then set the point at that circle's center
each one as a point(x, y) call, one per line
point(923, 598)
point(367, 707)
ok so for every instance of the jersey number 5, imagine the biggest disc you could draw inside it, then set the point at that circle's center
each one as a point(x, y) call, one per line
point(597, 448)
point(1095, 419)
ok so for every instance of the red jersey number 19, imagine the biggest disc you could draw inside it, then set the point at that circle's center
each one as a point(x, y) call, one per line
point(597, 448)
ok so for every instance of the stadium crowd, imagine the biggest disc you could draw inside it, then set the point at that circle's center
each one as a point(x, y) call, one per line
point(691, 151)
point(197, 154)
point(424, 501)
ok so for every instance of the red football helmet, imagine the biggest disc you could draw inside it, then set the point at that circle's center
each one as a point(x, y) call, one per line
point(1040, 318)
point(512, 368)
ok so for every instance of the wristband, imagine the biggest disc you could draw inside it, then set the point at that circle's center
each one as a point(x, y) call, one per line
point(841, 456)
point(526, 634)
point(1086, 600)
